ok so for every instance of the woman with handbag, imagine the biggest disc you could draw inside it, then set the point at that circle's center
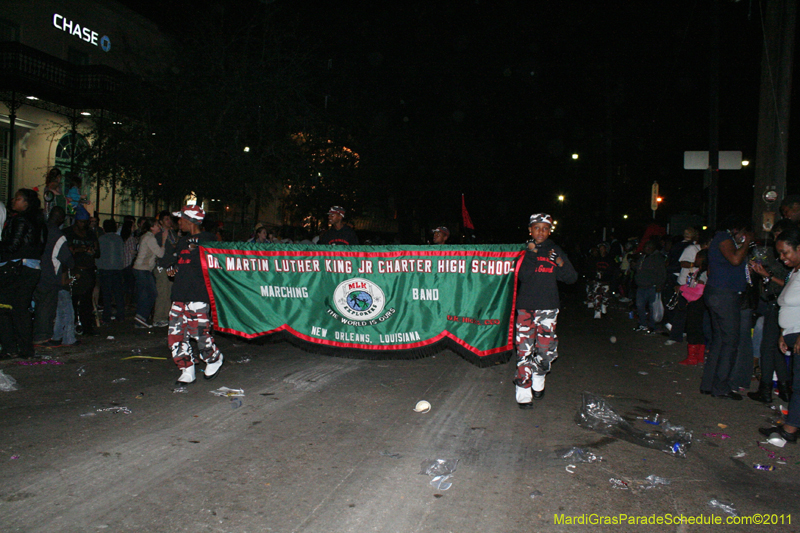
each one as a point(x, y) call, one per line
point(21, 251)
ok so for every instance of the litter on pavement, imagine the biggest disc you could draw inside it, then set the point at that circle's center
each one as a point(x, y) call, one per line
point(597, 414)
point(225, 391)
point(441, 470)
point(422, 407)
point(578, 455)
point(725, 507)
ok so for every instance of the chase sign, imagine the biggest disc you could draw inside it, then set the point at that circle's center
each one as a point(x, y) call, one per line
point(81, 32)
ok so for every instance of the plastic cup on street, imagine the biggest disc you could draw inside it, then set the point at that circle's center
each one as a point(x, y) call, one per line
point(422, 407)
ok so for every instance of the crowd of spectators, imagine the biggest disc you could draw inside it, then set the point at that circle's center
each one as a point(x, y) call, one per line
point(731, 299)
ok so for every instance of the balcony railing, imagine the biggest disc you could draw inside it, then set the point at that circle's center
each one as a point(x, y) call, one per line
point(31, 72)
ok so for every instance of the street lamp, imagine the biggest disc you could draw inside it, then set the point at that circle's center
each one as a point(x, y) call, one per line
point(574, 156)
point(561, 198)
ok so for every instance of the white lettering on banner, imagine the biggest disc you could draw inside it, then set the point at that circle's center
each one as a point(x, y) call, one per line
point(350, 336)
point(496, 268)
point(318, 331)
point(82, 33)
point(339, 266)
point(365, 267)
point(276, 291)
point(237, 264)
point(296, 265)
point(456, 266)
point(211, 261)
point(424, 294)
point(399, 337)
point(398, 266)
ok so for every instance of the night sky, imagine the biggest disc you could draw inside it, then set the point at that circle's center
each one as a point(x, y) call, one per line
point(491, 99)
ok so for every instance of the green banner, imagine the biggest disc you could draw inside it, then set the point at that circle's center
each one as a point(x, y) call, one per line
point(376, 301)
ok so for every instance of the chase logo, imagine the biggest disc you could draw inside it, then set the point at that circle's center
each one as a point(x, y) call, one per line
point(359, 299)
point(81, 32)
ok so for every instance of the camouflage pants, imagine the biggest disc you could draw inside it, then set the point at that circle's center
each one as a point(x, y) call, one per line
point(190, 320)
point(537, 346)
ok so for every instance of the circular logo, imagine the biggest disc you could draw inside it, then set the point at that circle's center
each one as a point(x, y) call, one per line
point(359, 299)
point(105, 43)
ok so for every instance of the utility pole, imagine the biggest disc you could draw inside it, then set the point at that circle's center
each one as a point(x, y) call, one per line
point(713, 142)
point(773, 116)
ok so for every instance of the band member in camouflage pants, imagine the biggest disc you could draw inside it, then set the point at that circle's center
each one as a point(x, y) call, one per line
point(543, 265)
point(191, 321)
point(537, 346)
point(189, 316)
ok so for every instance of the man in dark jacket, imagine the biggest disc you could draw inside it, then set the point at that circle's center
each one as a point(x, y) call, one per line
point(85, 249)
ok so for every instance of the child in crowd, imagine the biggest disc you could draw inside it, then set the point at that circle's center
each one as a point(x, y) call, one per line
point(544, 264)
point(75, 199)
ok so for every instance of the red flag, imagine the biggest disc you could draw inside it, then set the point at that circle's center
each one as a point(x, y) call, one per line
point(465, 215)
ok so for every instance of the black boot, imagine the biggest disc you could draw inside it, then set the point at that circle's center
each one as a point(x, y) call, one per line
point(784, 391)
point(763, 394)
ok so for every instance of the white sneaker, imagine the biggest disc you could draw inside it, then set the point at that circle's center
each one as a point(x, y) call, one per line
point(212, 369)
point(603, 309)
point(161, 324)
point(670, 342)
point(598, 314)
point(187, 376)
point(139, 322)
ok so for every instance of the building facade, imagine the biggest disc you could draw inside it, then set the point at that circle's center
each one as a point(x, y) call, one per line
point(61, 65)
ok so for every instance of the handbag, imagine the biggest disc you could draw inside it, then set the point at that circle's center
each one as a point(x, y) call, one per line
point(692, 293)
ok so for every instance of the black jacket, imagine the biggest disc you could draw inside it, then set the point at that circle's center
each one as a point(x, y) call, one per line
point(23, 237)
point(538, 275)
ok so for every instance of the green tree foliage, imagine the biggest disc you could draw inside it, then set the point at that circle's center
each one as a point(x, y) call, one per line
point(327, 175)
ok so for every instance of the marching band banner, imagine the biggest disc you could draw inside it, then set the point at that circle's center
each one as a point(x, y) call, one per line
point(368, 301)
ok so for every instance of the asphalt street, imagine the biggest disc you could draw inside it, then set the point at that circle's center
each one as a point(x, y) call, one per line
point(96, 439)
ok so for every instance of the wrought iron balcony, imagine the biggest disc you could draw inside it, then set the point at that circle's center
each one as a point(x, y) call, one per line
point(30, 72)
